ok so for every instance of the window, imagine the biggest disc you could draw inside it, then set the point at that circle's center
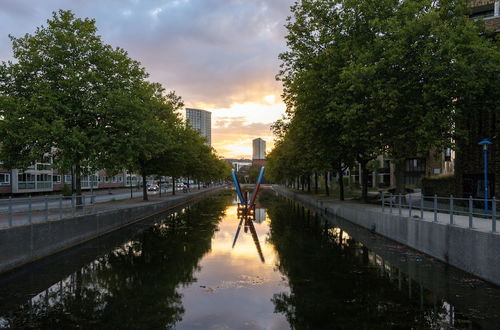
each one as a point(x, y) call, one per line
point(484, 11)
point(415, 165)
point(67, 178)
point(56, 178)
point(4, 178)
point(120, 178)
point(43, 177)
point(447, 154)
point(25, 177)
point(114, 179)
point(44, 167)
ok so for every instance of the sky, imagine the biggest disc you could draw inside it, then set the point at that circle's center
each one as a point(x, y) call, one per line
point(218, 55)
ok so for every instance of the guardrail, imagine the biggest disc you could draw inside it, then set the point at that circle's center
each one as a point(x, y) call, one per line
point(42, 209)
point(416, 206)
point(27, 210)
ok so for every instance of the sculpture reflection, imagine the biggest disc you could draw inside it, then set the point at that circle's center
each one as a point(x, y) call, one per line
point(246, 216)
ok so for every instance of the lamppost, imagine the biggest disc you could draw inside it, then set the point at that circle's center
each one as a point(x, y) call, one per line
point(485, 144)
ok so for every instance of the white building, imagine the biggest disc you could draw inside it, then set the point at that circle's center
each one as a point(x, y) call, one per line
point(259, 149)
point(200, 120)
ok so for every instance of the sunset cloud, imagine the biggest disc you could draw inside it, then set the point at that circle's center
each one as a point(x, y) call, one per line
point(219, 55)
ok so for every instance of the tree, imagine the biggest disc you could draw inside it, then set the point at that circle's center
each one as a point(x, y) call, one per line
point(55, 97)
point(363, 78)
point(149, 134)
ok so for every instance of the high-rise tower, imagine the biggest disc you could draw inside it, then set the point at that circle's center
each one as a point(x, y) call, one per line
point(200, 120)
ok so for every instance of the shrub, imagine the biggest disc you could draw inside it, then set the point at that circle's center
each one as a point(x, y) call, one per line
point(66, 190)
point(441, 185)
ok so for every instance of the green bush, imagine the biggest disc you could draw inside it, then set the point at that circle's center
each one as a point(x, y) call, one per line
point(441, 185)
point(66, 190)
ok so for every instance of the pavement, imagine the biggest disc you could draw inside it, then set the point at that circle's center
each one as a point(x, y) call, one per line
point(479, 223)
point(44, 208)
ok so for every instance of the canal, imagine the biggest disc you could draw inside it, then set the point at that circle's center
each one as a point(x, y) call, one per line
point(203, 267)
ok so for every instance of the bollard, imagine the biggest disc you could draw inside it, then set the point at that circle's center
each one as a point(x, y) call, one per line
point(390, 203)
point(493, 214)
point(399, 200)
point(409, 205)
point(383, 202)
point(29, 209)
point(435, 208)
point(60, 206)
point(46, 208)
point(10, 211)
point(451, 209)
point(471, 211)
point(421, 206)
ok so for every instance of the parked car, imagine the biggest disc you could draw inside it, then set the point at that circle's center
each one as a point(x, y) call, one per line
point(153, 187)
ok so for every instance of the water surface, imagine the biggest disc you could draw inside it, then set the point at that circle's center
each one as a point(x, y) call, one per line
point(205, 267)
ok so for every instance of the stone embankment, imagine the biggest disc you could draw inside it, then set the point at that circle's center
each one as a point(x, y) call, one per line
point(27, 243)
point(472, 250)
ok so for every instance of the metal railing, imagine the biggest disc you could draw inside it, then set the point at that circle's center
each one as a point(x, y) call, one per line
point(453, 207)
point(20, 211)
point(23, 211)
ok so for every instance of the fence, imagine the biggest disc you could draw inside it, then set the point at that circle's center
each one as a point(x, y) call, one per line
point(18, 211)
point(417, 206)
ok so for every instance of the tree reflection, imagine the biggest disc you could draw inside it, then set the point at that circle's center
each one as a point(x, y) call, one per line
point(136, 284)
point(332, 283)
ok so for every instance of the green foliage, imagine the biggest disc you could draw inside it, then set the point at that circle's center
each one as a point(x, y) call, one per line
point(66, 190)
point(89, 106)
point(441, 185)
point(391, 77)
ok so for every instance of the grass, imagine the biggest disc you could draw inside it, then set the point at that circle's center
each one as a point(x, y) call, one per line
point(351, 192)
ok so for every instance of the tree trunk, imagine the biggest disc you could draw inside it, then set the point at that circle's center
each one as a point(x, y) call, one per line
point(144, 186)
point(198, 184)
point(315, 182)
point(364, 180)
point(73, 187)
point(308, 183)
point(399, 176)
point(78, 184)
point(173, 186)
point(302, 182)
point(327, 189)
point(130, 179)
point(341, 181)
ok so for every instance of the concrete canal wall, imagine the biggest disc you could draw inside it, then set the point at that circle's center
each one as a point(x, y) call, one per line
point(24, 244)
point(473, 251)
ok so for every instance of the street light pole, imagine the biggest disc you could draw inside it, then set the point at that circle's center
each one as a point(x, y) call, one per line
point(485, 144)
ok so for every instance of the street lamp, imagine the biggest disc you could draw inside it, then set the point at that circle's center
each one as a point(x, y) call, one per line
point(485, 144)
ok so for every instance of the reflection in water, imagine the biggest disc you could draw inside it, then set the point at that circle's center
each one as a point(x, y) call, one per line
point(247, 216)
point(133, 286)
point(199, 269)
point(336, 282)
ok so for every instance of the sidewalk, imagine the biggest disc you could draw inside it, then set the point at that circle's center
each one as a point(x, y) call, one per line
point(480, 224)
point(474, 250)
point(102, 202)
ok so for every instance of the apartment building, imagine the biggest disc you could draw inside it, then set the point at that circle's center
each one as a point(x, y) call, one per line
point(489, 11)
point(42, 178)
point(201, 121)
